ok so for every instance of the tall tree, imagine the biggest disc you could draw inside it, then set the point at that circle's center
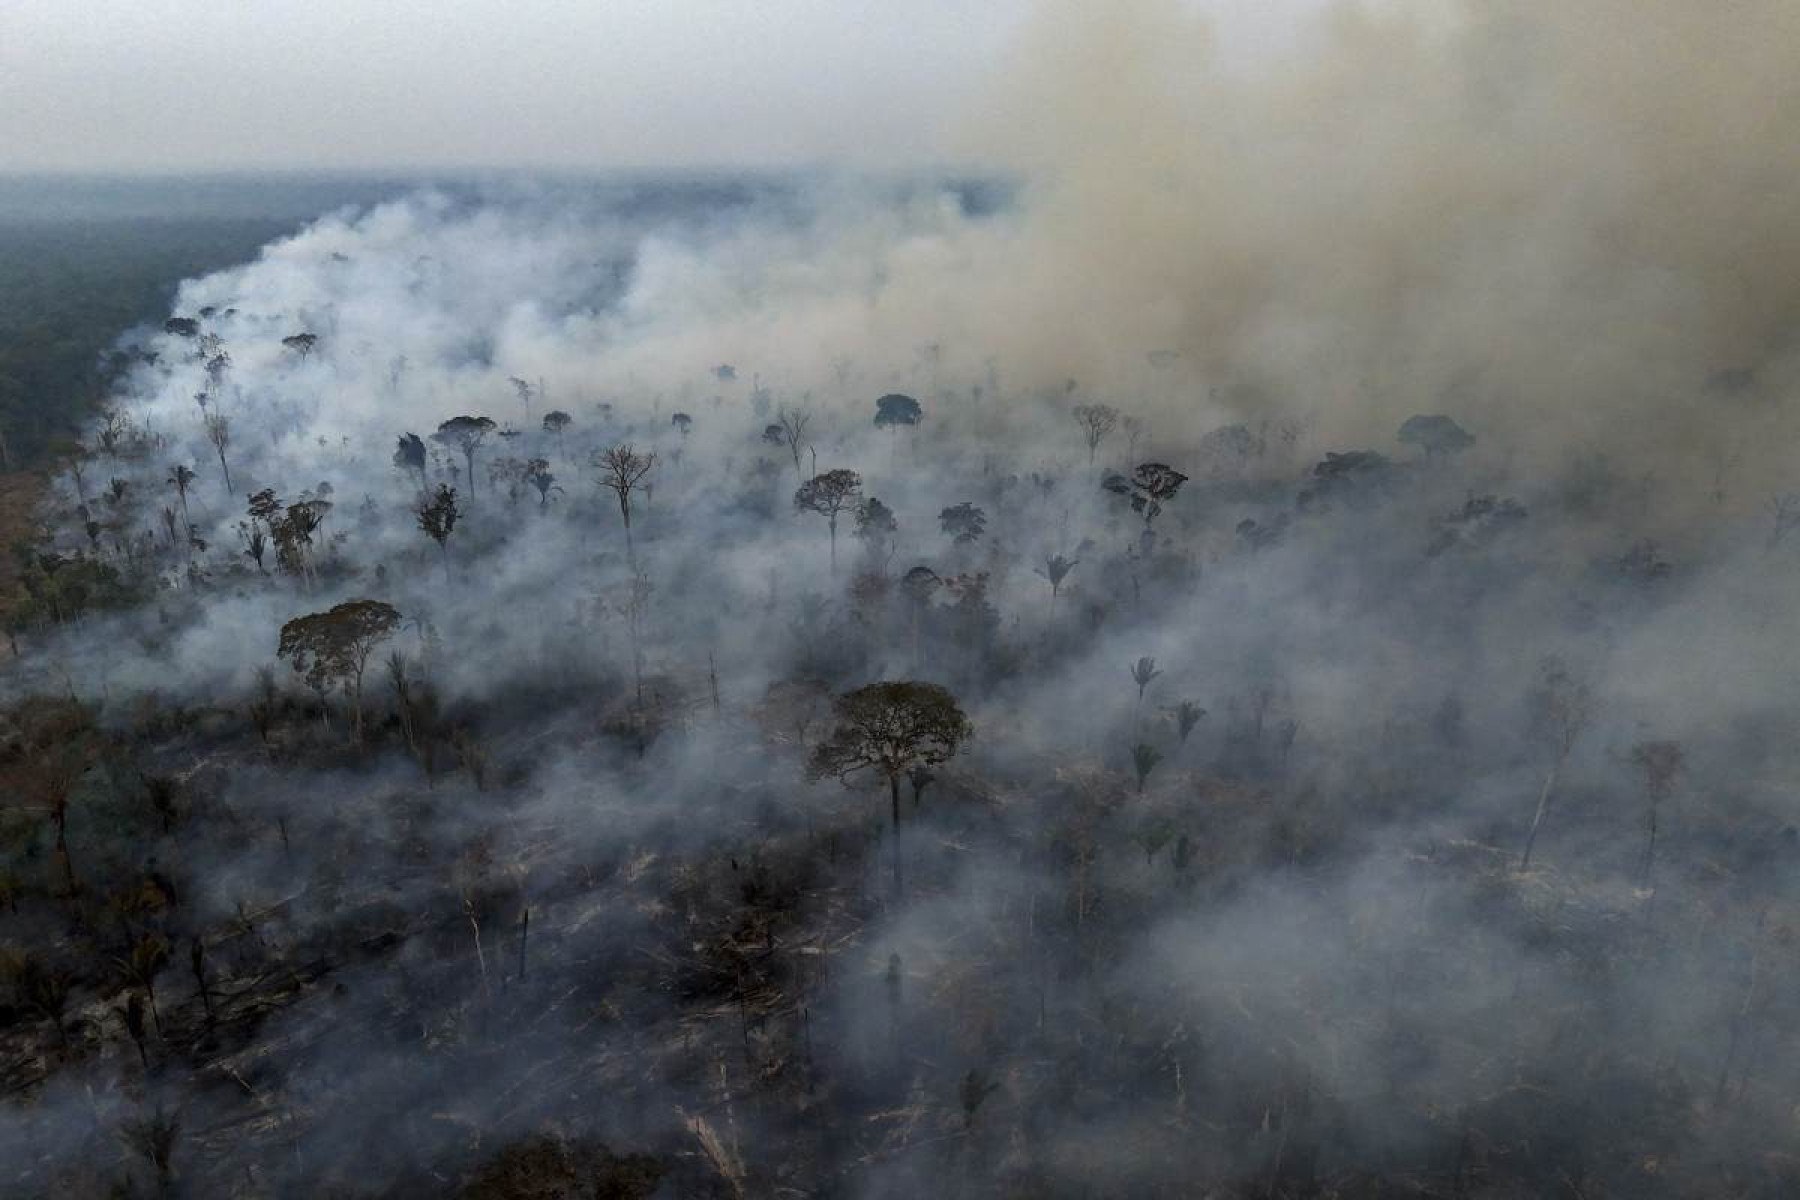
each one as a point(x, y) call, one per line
point(218, 432)
point(1562, 705)
point(466, 435)
point(622, 469)
point(792, 423)
point(829, 495)
point(437, 517)
point(889, 729)
point(1096, 421)
point(333, 647)
point(409, 455)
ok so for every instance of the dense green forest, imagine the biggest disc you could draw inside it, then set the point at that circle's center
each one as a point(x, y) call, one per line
point(70, 288)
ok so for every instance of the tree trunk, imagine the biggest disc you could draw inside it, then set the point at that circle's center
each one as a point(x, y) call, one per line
point(225, 467)
point(832, 523)
point(894, 795)
point(1537, 818)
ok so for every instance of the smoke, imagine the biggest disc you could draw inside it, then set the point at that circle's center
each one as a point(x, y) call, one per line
point(1297, 950)
point(1560, 222)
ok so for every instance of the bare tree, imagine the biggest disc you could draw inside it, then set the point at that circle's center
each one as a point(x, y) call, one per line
point(792, 423)
point(829, 495)
point(1096, 421)
point(218, 432)
point(1659, 765)
point(622, 468)
point(1563, 705)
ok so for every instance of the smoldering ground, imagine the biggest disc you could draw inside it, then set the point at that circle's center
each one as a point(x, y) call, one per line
point(1292, 948)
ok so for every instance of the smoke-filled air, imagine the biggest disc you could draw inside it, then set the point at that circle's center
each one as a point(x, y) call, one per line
point(1232, 647)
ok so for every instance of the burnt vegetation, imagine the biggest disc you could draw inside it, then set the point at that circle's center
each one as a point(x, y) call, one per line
point(1140, 801)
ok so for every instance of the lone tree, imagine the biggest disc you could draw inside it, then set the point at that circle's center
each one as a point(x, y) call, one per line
point(409, 455)
point(437, 517)
point(829, 495)
point(301, 343)
point(218, 432)
point(333, 647)
point(1142, 672)
point(1096, 421)
point(895, 409)
point(622, 468)
point(1056, 569)
point(891, 729)
point(465, 434)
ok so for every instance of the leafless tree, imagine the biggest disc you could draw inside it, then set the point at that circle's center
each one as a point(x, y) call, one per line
point(1096, 421)
point(622, 469)
point(1563, 706)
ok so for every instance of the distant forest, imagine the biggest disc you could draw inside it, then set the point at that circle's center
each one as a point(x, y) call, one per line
point(84, 259)
point(69, 288)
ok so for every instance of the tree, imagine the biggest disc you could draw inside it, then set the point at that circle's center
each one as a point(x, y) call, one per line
point(1056, 569)
point(522, 389)
point(409, 455)
point(301, 343)
point(1659, 764)
point(180, 477)
point(185, 327)
point(963, 523)
point(218, 432)
point(1096, 421)
point(1435, 434)
point(876, 528)
point(1150, 486)
point(1144, 758)
point(1187, 716)
point(437, 516)
point(894, 410)
point(333, 647)
point(683, 423)
point(1562, 706)
point(622, 468)
point(556, 423)
point(891, 728)
point(790, 430)
point(466, 435)
point(537, 474)
point(1142, 672)
point(828, 495)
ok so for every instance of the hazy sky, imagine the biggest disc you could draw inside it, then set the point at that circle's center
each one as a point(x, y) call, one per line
point(184, 84)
